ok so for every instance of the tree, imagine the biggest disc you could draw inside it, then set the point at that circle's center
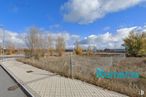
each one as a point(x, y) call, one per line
point(10, 47)
point(78, 49)
point(1, 50)
point(60, 45)
point(35, 42)
point(133, 43)
point(50, 44)
point(90, 51)
point(143, 49)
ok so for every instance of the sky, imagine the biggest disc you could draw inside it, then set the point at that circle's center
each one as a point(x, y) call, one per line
point(103, 23)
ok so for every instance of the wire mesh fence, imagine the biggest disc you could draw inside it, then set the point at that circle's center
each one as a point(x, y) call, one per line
point(85, 66)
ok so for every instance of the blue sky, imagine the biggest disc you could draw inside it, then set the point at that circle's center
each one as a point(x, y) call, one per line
point(76, 17)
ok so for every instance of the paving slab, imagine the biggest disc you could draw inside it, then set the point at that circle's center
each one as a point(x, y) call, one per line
point(42, 83)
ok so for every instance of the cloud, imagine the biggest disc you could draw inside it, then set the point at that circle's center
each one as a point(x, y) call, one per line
point(63, 34)
point(100, 41)
point(109, 40)
point(55, 26)
point(88, 11)
point(14, 38)
point(69, 38)
point(18, 39)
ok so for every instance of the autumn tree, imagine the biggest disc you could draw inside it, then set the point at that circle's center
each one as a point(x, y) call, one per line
point(90, 51)
point(134, 43)
point(10, 47)
point(35, 42)
point(1, 50)
point(78, 49)
point(143, 48)
point(60, 45)
point(50, 45)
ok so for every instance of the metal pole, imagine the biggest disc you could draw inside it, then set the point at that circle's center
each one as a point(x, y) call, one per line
point(70, 66)
point(111, 61)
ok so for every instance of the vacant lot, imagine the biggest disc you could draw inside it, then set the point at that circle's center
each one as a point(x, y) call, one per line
point(84, 68)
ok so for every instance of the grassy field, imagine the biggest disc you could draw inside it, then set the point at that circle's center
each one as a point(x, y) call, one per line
point(84, 68)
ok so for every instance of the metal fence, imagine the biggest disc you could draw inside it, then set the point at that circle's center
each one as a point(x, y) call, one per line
point(85, 66)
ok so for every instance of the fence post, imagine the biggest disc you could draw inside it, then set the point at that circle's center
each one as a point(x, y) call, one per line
point(70, 64)
point(111, 60)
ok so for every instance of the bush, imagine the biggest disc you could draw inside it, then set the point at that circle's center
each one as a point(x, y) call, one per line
point(79, 51)
point(134, 44)
point(28, 53)
point(144, 61)
point(90, 52)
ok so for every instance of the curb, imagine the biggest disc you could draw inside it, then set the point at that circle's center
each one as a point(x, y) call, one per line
point(22, 85)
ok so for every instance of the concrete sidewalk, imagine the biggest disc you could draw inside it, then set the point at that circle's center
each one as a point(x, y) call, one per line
point(42, 83)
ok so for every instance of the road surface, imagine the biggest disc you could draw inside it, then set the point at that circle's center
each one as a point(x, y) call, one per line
point(7, 86)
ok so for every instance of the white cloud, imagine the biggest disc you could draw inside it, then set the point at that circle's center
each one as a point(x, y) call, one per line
point(101, 41)
point(12, 37)
point(88, 11)
point(63, 34)
point(55, 26)
point(109, 40)
point(123, 32)
point(75, 37)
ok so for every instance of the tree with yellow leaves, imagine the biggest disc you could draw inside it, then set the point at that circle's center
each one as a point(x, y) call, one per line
point(135, 44)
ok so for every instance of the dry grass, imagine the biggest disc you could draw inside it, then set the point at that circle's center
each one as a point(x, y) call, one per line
point(84, 69)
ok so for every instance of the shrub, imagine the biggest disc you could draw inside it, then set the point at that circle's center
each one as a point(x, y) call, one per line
point(27, 53)
point(90, 52)
point(134, 44)
point(79, 51)
point(144, 61)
